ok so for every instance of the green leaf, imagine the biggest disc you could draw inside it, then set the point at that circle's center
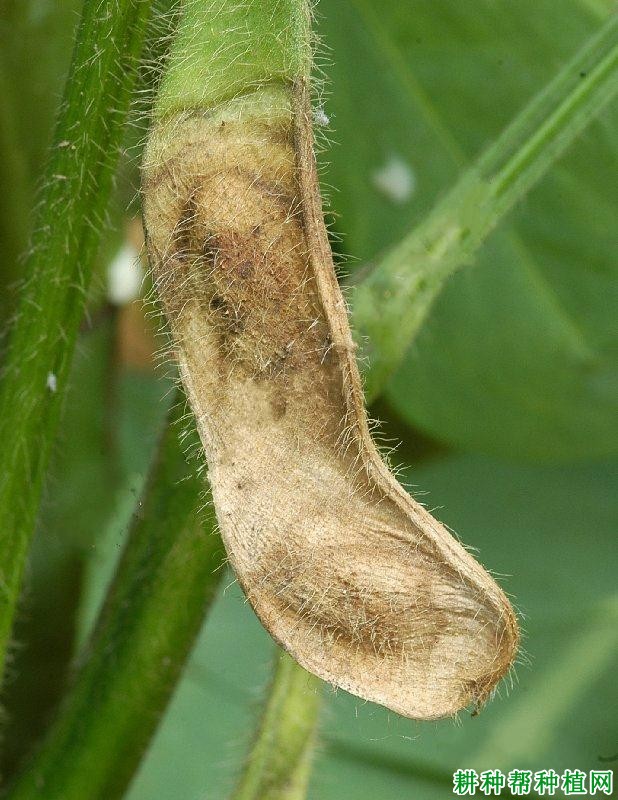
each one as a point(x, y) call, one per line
point(44, 27)
point(518, 355)
point(391, 304)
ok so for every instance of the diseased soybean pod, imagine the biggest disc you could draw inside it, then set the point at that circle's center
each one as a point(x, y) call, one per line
point(357, 581)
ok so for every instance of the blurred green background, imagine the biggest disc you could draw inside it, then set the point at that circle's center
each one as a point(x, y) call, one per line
point(506, 405)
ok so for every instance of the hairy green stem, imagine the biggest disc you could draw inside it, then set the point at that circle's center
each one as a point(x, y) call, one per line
point(391, 303)
point(279, 762)
point(67, 231)
point(165, 582)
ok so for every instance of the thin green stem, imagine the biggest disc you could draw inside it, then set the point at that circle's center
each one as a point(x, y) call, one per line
point(391, 303)
point(68, 227)
point(165, 582)
point(279, 762)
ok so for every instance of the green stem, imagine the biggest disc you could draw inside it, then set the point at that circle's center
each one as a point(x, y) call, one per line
point(167, 577)
point(225, 48)
point(391, 303)
point(67, 231)
point(279, 763)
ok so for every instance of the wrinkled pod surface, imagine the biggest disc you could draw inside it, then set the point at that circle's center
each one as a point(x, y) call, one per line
point(347, 572)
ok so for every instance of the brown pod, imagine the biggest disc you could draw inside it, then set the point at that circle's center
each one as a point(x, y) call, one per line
point(347, 572)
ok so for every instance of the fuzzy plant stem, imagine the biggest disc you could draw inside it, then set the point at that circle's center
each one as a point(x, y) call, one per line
point(391, 303)
point(167, 577)
point(278, 765)
point(68, 227)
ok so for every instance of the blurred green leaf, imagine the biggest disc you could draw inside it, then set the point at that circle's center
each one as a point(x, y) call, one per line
point(518, 355)
point(391, 303)
point(44, 28)
point(14, 200)
point(552, 528)
point(29, 92)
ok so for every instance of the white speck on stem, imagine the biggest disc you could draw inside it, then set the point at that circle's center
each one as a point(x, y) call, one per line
point(124, 276)
point(51, 382)
point(320, 117)
point(395, 180)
